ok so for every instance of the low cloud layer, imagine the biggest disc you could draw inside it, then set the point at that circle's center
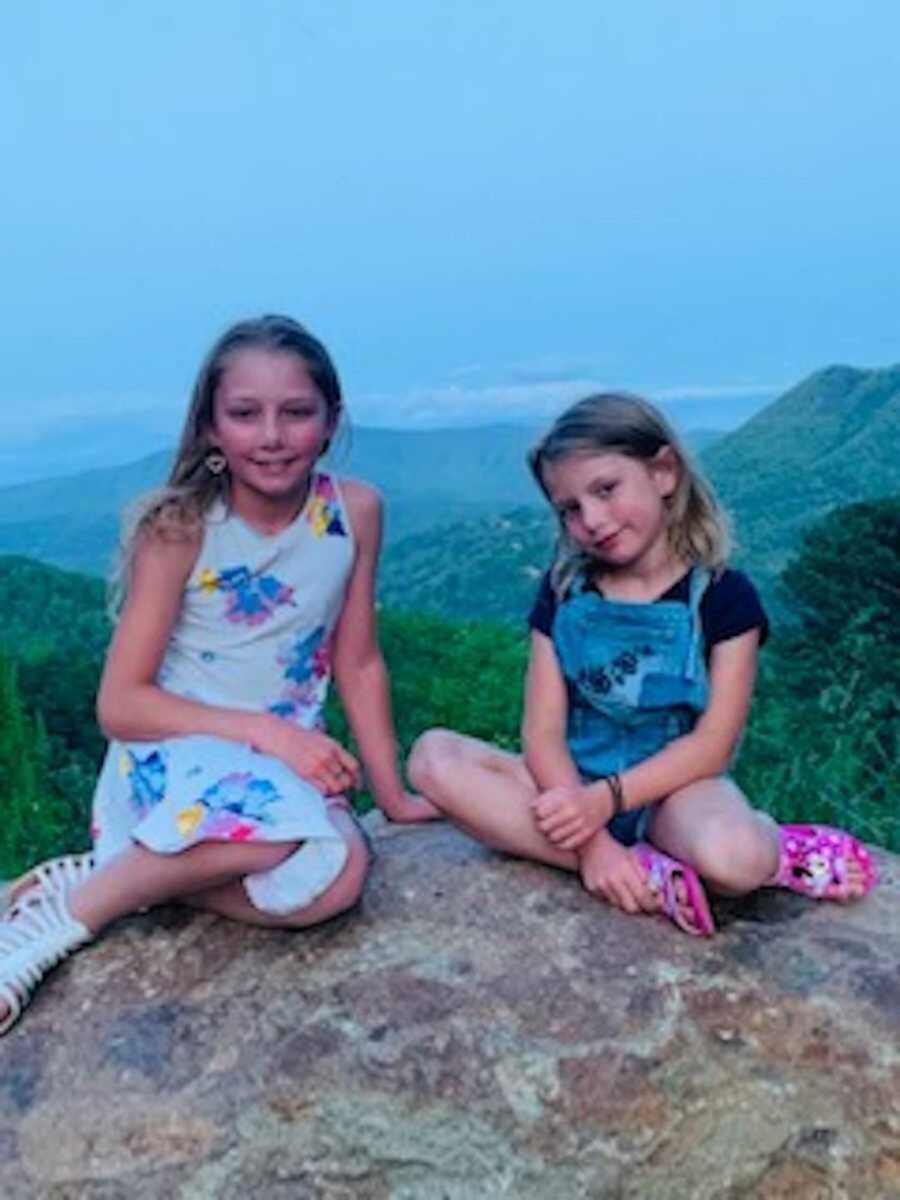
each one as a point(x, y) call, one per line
point(722, 406)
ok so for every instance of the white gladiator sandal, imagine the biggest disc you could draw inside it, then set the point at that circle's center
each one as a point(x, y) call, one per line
point(34, 936)
point(54, 875)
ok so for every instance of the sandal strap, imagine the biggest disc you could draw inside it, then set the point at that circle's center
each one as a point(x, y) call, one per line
point(55, 875)
point(34, 938)
point(64, 872)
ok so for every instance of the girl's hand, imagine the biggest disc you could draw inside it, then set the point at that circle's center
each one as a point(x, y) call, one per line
point(611, 871)
point(409, 808)
point(313, 755)
point(569, 815)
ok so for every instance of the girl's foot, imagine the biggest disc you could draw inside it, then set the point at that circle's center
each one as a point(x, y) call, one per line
point(34, 936)
point(678, 886)
point(824, 863)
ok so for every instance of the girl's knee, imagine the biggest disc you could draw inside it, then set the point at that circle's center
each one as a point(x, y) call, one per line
point(711, 825)
point(352, 879)
point(347, 889)
point(735, 856)
point(343, 894)
point(431, 755)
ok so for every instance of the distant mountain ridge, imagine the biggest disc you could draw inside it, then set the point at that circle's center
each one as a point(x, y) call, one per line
point(831, 440)
point(467, 532)
point(429, 478)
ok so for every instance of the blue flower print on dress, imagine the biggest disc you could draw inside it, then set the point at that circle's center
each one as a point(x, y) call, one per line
point(147, 777)
point(250, 598)
point(242, 793)
point(307, 663)
point(230, 809)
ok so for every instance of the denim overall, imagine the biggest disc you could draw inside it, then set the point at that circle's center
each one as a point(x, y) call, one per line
point(636, 679)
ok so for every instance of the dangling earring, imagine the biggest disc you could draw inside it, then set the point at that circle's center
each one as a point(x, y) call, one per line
point(215, 462)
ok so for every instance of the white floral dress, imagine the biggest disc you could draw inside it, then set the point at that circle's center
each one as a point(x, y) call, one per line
point(254, 633)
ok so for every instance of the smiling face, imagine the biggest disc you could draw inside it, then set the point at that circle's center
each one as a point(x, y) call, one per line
point(272, 423)
point(613, 507)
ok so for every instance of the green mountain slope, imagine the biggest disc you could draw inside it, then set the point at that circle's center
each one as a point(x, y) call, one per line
point(485, 567)
point(50, 608)
point(832, 440)
point(73, 520)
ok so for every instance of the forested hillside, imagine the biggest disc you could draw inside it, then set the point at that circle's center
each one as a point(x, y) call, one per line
point(73, 521)
point(823, 741)
point(485, 567)
point(833, 439)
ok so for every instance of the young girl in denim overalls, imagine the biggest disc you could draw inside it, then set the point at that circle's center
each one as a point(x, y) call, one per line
point(643, 657)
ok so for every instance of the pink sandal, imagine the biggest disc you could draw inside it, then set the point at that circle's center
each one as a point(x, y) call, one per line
point(662, 875)
point(814, 861)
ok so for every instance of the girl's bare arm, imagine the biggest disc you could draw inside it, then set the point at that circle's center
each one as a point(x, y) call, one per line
point(359, 668)
point(544, 721)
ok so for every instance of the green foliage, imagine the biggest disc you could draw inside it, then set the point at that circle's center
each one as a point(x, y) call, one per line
point(823, 741)
point(35, 819)
point(52, 643)
point(824, 737)
point(466, 676)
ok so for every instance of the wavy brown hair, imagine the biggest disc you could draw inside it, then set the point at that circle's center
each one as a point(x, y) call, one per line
point(618, 422)
point(176, 510)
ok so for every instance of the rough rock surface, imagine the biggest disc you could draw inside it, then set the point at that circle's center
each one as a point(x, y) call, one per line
point(480, 1028)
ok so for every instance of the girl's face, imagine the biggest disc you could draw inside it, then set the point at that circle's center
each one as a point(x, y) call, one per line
point(271, 422)
point(613, 506)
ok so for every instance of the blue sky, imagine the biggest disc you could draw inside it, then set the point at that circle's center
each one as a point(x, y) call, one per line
point(483, 208)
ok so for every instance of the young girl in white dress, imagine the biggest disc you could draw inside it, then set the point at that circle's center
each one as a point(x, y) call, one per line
point(248, 581)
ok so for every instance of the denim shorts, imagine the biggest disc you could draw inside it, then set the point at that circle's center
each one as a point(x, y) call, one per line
point(632, 826)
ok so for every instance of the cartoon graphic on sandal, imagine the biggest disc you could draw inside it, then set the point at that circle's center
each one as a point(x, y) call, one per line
point(663, 876)
point(816, 860)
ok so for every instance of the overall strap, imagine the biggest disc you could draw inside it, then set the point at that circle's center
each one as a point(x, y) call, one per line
point(699, 582)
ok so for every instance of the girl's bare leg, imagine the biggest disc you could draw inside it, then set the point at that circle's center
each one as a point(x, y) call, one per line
point(231, 899)
point(710, 825)
point(210, 876)
point(734, 847)
point(139, 878)
point(484, 790)
point(488, 793)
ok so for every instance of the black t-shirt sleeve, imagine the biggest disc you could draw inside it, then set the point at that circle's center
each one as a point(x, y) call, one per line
point(731, 606)
point(544, 608)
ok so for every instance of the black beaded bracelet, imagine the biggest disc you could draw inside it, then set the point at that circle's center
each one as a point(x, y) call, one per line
point(615, 789)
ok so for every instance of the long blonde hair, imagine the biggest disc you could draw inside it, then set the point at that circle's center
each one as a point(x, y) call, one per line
point(620, 423)
point(175, 511)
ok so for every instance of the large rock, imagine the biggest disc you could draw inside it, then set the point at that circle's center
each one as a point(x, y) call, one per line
point(480, 1028)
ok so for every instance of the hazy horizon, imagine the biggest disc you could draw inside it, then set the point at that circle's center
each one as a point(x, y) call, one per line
point(75, 446)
